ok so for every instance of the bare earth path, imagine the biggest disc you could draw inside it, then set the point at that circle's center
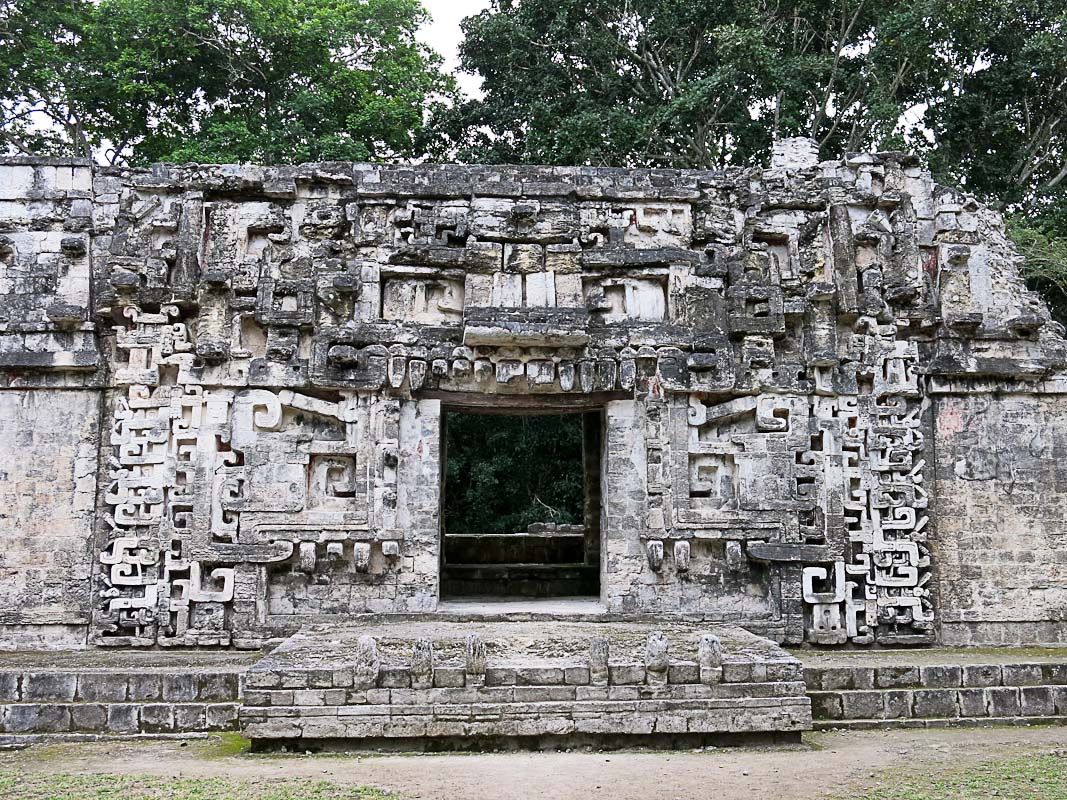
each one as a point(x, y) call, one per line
point(827, 764)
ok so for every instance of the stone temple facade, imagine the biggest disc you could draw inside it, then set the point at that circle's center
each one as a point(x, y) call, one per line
point(827, 409)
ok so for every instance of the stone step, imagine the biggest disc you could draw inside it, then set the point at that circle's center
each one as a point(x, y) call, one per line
point(742, 714)
point(477, 680)
point(535, 671)
point(954, 722)
point(96, 702)
point(935, 676)
point(519, 580)
point(997, 701)
point(901, 694)
point(35, 718)
point(92, 686)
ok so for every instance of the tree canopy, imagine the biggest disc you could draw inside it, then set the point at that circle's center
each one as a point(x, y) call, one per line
point(269, 81)
point(689, 83)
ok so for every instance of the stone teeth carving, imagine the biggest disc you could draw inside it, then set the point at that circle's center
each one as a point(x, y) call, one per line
point(421, 667)
point(599, 656)
point(709, 653)
point(361, 556)
point(366, 663)
point(654, 549)
point(475, 656)
point(682, 555)
point(657, 657)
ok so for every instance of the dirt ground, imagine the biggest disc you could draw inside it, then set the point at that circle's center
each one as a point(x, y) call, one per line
point(827, 764)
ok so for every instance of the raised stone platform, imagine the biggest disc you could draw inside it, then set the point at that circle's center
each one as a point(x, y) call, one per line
point(431, 685)
point(937, 688)
point(92, 693)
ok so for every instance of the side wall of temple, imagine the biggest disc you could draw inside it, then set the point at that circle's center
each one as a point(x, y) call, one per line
point(1001, 493)
point(49, 444)
point(832, 413)
point(50, 402)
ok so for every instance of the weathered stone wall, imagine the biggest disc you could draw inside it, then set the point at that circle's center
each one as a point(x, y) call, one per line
point(782, 358)
point(48, 462)
point(1002, 516)
point(709, 585)
point(47, 221)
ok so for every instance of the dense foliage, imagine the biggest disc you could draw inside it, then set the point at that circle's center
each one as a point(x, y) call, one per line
point(692, 83)
point(270, 81)
point(503, 473)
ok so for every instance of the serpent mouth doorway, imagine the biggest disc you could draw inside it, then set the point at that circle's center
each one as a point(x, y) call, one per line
point(521, 504)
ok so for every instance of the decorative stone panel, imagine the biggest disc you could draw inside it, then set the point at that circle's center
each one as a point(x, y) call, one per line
point(272, 348)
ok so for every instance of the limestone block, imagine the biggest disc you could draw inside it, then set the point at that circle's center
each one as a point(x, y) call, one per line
point(940, 677)
point(1022, 674)
point(49, 687)
point(190, 717)
point(180, 688)
point(1003, 701)
point(899, 704)
point(862, 705)
point(935, 703)
point(36, 718)
point(972, 703)
point(894, 677)
point(92, 718)
point(448, 677)
point(538, 676)
point(101, 687)
point(981, 675)
point(1037, 701)
point(826, 705)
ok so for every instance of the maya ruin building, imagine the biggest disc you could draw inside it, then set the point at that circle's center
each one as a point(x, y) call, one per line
point(819, 410)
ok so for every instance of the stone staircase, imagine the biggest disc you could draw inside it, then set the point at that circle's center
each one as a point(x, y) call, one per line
point(300, 693)
point(87, 695)
point(970, 692)
point(443, 685)
point(547, 561)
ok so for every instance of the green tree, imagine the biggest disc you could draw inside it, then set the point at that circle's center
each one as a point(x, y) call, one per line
point(38, 39)
point(689, 83)
point(270, 81)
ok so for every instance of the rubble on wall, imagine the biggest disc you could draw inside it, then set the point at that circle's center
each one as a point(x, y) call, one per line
point(275, 344)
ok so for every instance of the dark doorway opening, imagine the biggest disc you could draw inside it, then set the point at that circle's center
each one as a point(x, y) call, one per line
point(521, 505)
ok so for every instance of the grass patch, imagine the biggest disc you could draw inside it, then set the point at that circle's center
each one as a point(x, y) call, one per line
point(230, 744)
point(45, 786)
point(1036, 777)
